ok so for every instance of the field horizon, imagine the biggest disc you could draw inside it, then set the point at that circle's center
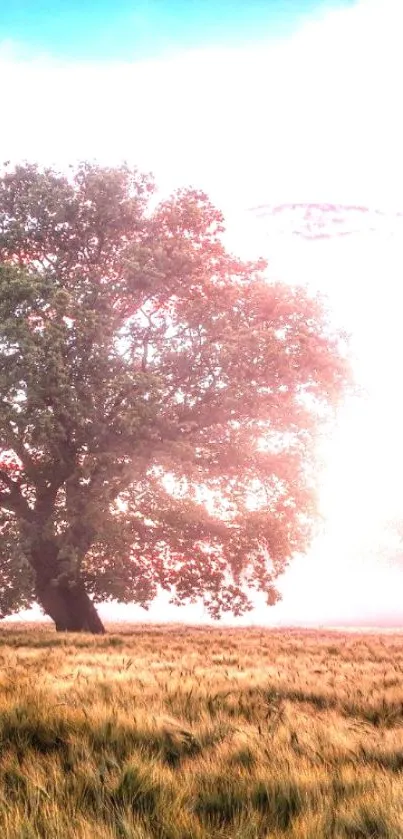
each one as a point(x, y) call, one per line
point(394, 625)
point(182, 732)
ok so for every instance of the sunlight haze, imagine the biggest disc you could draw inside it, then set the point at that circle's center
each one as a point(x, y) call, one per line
point(290, 103)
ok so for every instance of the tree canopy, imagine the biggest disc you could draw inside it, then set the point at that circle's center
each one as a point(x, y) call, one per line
point(160, 400)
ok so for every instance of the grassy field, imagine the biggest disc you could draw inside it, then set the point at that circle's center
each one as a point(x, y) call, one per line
point(189, 733)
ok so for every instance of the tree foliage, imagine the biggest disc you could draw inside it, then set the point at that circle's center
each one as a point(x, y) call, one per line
point(160, 399)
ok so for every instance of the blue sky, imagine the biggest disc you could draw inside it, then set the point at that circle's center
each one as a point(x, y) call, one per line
point(129, 30)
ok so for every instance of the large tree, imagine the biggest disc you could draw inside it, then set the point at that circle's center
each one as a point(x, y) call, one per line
point(160, 401)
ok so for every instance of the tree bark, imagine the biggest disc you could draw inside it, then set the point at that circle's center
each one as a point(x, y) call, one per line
point(62, 597)
point(70, 608)
point(64, 600)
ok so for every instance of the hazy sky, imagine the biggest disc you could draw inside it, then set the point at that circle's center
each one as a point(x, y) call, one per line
point(307, 111)
point(128, 30)
point(256, 102)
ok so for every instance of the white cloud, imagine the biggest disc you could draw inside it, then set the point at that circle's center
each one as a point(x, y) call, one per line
point(314, 116)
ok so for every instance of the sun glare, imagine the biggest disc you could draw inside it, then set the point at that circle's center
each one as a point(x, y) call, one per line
point(313, 117)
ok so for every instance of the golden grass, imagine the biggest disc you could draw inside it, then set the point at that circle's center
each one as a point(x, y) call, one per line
point(188, 733)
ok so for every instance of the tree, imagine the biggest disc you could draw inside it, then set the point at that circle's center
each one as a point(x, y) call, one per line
point(160, 401)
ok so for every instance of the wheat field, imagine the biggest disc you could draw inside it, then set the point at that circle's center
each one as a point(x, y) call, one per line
point(192, 732)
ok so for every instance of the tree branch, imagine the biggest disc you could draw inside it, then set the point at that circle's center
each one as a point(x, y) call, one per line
point(16, 503)
point(5, 477)
point(5, 502)
point(12, 440)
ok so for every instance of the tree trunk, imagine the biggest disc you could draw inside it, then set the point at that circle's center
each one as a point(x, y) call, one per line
point(71, 609)
point(62, 597)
